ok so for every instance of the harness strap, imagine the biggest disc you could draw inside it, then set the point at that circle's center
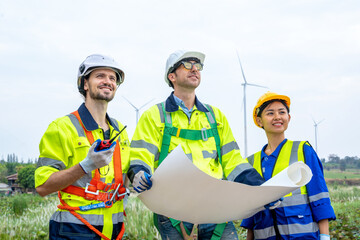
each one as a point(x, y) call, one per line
point(218, 231)
point(117, 157)
point(72, 211)
point(92, 190)
point(190, 134)
point(176, 224)
point(94, 195)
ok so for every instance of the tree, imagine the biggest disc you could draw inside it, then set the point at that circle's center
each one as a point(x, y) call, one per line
point(333, 158)
point(11, 163)
point(3, 173)
point(26, 176)
point(342, 166)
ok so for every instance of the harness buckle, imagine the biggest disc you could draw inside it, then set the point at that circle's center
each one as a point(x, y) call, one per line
point(204, 135)
point(88, 191)
point(127, 191)
point(115, 192)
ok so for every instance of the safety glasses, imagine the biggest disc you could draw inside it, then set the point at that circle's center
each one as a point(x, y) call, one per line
point(189, 65)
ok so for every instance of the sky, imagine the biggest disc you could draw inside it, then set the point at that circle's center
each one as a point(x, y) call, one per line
point(308, 50)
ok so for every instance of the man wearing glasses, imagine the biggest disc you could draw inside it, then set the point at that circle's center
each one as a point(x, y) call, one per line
point(204, 134)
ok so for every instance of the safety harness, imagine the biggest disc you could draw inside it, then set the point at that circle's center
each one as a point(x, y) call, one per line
point(109, 194)
point(189, 134)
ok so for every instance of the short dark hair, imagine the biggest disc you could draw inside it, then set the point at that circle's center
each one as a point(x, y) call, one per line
point(265, 104)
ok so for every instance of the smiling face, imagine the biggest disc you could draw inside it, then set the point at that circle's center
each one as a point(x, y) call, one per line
point(184, 78)
point(101, 84)
point(275, 118)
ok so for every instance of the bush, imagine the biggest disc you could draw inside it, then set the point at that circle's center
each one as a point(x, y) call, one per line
point(19, 204)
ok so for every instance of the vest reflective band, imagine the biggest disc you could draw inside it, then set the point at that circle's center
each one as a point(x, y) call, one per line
point(195, 135)
point(91, 192)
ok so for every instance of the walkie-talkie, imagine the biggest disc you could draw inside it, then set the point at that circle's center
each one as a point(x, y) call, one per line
point(107, 143)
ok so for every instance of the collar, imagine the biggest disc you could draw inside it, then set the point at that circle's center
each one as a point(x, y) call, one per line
point(172, 106)
point(88, 120)
point(275, 154)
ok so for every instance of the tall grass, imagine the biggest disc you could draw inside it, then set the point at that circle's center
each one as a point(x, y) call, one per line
point(33, 222)
point(139, 221)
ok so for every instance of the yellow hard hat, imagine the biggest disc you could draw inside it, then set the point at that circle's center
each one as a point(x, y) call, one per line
point(268, 96)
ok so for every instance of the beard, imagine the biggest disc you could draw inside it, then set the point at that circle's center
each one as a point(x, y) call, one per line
point(96, 95)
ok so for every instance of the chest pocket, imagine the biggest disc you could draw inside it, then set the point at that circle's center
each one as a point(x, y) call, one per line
point(81, 146)
point(298, 213)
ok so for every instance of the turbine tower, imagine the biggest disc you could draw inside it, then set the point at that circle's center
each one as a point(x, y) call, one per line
point(316, 125)
point(244, 88)
point(137, 109)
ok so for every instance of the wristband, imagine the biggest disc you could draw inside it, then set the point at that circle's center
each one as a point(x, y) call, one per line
point(324, 236)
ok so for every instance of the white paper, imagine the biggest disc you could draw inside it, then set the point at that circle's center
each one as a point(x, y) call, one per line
point(183, 192)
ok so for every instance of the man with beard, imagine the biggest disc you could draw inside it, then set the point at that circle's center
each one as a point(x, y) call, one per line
point(87, 172)
point(204, 134)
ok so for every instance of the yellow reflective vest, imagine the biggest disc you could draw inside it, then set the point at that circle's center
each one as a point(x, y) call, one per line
point(147, 141)
point(64, 145)
point(291, 152)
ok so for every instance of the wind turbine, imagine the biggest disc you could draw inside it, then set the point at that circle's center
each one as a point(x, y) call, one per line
point(316, 125)
point(244, 85)
point(137, 109)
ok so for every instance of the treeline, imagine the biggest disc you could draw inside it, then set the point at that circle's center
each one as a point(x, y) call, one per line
point(24, 169)
point(335, 162)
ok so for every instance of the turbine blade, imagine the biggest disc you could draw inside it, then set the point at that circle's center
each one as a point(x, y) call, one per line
point(130, 103)
point(146, 103)
point(320, 122)
point(255, 85)
point(242, 71)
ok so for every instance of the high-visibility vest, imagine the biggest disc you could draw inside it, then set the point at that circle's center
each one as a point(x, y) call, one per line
point(96, 189)
point(291, 152)
point(196, 135)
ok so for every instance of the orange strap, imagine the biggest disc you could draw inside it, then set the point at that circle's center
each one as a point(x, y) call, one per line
point(95, 185)
point(100, 196)
point(72, 211)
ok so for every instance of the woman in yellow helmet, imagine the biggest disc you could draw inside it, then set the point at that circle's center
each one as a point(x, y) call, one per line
point(304, 213)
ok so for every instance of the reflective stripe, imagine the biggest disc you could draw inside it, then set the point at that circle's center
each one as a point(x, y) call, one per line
point(116, 124)
point(162, 118)
point(319, 196)
point(168, 117)
point(296, 192)
point(142, 144)
point(294, 152)
point(210, 117)
point(286, 230)
point(294, 200)
point(83, 181)
point(59, 165)
point(207, 154)
point(189, 155)
point(238, 170)
point(297, 228)
point(117, 218)
point(138, 162)
point(251, 160)
point(229, 147)
point(93, 219)
point(77, 125)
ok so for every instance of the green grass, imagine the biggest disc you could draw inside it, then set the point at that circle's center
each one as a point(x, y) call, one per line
point(33, 222)
point(337, 174)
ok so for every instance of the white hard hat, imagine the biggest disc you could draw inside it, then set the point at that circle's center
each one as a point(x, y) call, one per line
point(98, 61)
point(178, 56)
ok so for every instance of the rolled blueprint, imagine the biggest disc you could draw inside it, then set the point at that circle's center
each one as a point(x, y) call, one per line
point(183, 192)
